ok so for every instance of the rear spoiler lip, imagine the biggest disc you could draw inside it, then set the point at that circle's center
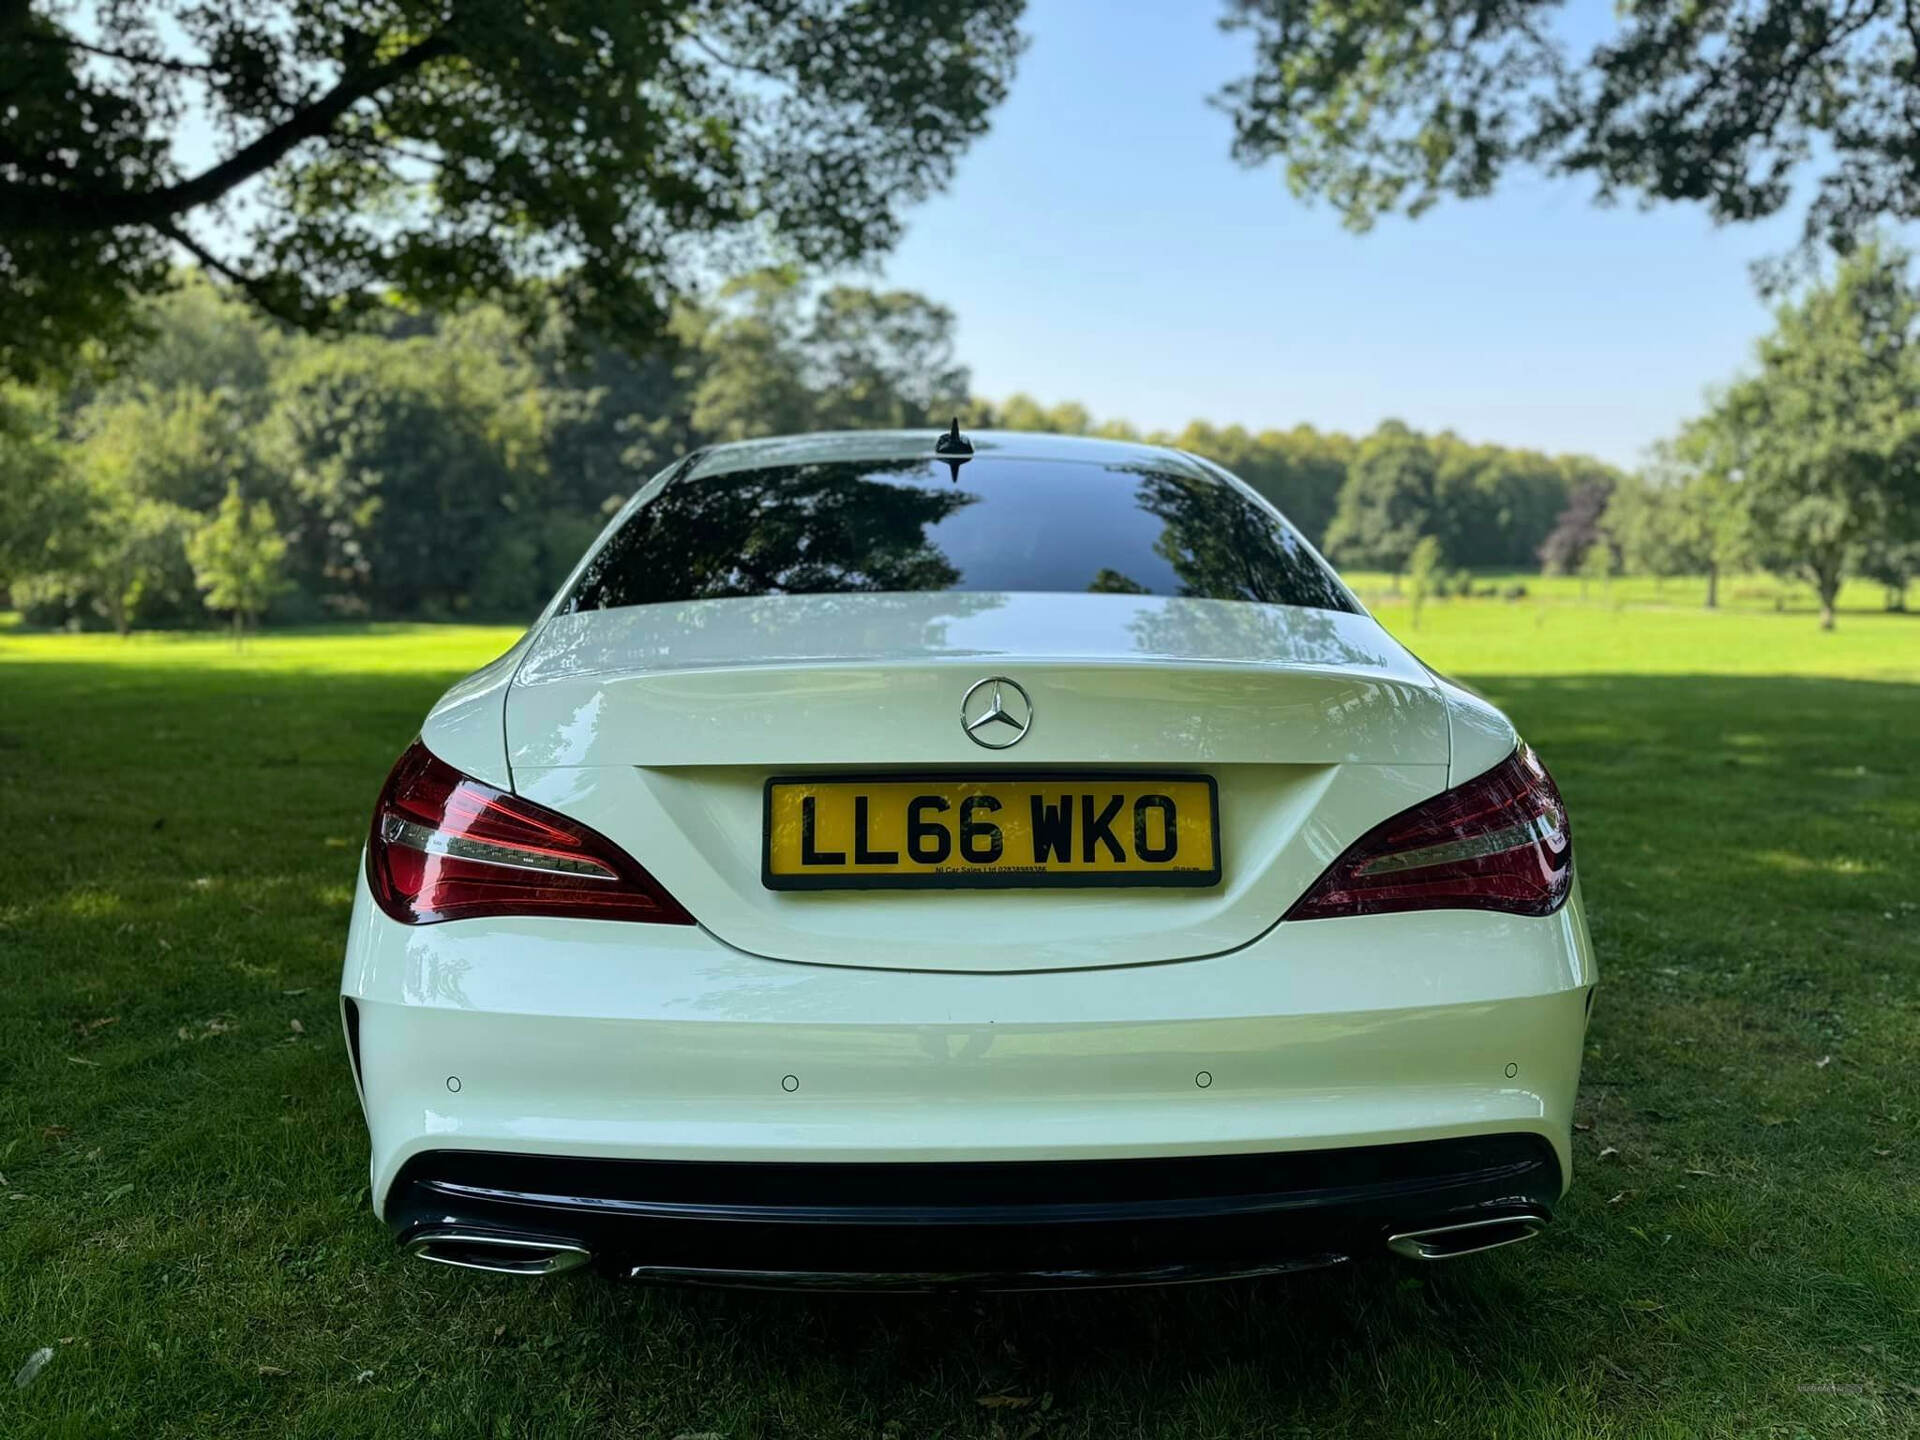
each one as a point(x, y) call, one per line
point(1005, 627)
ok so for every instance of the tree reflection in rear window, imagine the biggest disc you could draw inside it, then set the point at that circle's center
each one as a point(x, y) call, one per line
point(1001, 523)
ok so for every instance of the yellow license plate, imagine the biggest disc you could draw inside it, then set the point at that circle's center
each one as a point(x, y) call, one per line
point(952, 832)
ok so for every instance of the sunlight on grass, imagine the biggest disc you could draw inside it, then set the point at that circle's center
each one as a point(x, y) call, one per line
point(1487, 637)
point(1736, 1257)
point(1757, 593)
point(1835, 865)
point(361, 650)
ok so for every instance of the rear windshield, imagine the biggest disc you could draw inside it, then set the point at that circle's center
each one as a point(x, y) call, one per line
point(1000, 524)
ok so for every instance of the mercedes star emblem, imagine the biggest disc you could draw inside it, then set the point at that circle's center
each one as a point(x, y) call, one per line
point(995, 712)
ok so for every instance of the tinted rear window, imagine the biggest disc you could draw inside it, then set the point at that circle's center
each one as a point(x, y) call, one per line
point(1002, 524)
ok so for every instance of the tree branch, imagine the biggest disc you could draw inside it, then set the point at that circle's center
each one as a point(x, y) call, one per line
point(719, 58)
point(161, 62)
point(407, 152)
point(255, 291)
point(46, 208)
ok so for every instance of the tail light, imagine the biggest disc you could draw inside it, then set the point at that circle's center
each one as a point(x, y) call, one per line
point(448, 847)
point(1498, 842)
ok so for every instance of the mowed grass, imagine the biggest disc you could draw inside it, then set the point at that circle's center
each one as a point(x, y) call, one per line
point(1758, 591)
point(184, 1215)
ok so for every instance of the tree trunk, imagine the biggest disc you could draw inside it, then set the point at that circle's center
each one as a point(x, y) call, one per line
point(1829, 590)
point(1713, 585)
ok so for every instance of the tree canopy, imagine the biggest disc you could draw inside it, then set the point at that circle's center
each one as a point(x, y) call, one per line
point(441, 153)
point(368, 451)
point(372, 448)
point(236, 555)
point(1381, 107)
point(1823, 441)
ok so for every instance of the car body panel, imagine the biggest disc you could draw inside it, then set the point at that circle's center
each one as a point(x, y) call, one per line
point(582, 1037)
point(466, 726)
point(840, 445)
point(1479, 736)
point(904, 1028)
point(646, 722)
point(1280, 826)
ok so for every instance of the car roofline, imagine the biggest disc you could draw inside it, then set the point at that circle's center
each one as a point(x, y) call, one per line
point(827, 446)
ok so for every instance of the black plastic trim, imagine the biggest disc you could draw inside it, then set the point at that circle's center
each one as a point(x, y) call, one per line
point(350, 1024)
point(989, 1224)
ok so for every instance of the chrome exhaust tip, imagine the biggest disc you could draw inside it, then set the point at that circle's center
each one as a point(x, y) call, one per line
point(1466, 1237)
point(499, 1254)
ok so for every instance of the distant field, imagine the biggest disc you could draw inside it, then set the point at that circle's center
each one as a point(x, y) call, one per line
point(183, 1208)
point(1737, 592)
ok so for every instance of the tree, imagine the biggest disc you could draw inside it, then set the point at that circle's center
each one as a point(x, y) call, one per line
point(1599, 564)
point(1380, 108)
point(1300, 470)
point(1387, 502)
point(752, 374)
point(42, 502)
point(1640, 516)
point(387, 448)
point(882, 360)
point(773, 359)
point(134, 565)
point(196, 336)
point(1021, 411)
point(1580, 527)
point(1892, 565)
point(441, 152)
point(1493, 506)
point(182, 446)
point(236, 558)
point(613, 418)
point(1677, 519)
point(1423, 572)
point(1823, 443)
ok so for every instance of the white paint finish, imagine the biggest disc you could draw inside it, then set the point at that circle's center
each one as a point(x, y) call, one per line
point(602, 969)
point(909, 1032)
point(908, 713)
point(867, 679)
point(778, 630)
point(581, 1037)
point(853, 445)
point(465, 727)
point(1482, 736)
point(652, 725)
point(697, 829)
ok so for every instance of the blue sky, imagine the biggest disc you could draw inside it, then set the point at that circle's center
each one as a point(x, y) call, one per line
point(1099, 245)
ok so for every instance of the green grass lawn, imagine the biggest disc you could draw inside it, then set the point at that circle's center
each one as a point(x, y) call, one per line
point(183, 1209)
point(1757, 591)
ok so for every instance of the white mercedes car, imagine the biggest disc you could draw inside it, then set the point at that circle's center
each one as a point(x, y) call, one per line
point(912, 860)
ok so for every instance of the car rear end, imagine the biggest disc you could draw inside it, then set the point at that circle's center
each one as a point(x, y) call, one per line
point(1030, 869)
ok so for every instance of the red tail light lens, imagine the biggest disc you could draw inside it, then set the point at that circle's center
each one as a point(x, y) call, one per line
point(448, 847)
point(1498, 842)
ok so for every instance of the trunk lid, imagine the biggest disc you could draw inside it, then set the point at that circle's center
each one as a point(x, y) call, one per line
point(646, 723)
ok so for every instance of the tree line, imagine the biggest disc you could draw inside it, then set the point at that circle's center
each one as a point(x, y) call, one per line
point(447, 466)
point(1807, 466)
point(454, 466)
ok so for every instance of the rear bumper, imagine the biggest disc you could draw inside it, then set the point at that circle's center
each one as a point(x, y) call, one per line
point(997, 1225)
point(541, 1047)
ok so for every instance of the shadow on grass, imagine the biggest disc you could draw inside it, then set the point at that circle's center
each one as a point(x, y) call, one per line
point(1746, 848)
